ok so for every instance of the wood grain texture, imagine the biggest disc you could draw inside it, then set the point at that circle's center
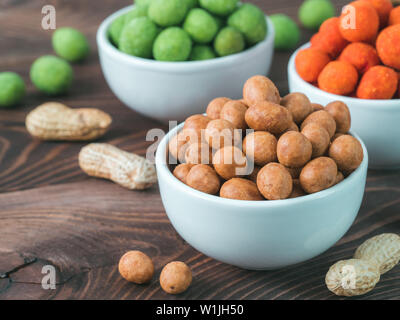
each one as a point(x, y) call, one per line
point(52, 213)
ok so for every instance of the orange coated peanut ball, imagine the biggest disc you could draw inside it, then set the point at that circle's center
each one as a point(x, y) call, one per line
point(294, 149)
point(260, 147)
point(347, 153)
point(234, 112)
point(175, 277)
point(215, 106)
point(378, 82)
point(298, 104)
point(268, 116)
point(341, 113)
point(388, 46)
point(240, 189)
point(260, 88)
point(324, 119)
point(361, 55)
point(319, 138)
point(394, 17)
point(230, 162)
point(274, 182)
point(319, 174)
point(135, 266)
point(310, 62)
point(338, 77)
point(203, 178)
point(359, 22)
point(181, 171)
point(383, 8)
point(220, 133)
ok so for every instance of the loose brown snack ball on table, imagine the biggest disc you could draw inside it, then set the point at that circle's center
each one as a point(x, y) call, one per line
point(175, 277)
point(137, 267)
point(287, 163)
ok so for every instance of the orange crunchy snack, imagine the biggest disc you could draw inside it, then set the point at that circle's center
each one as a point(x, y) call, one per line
point(329, 39)
point(361, 55)
point(359, 22)
point(388, 46)
point(379, 82)
point(338, 77)
point(310, 62)
point(383, 8)
point(394, 17)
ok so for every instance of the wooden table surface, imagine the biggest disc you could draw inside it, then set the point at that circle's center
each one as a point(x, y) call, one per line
point(51, 213)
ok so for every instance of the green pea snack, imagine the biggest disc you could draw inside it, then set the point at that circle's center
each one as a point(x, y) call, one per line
point(51, 75)
point(181, 30)
point(168, 13)
point(313, 12)
point(287, 33)
point(172, 44)
point(219, 7)
point(229, 41)
point(138, 36)
point(118, 24)
point(249, 20)
point(200, 25)
point(12, 89)
point(202, 52)
point(70, 44)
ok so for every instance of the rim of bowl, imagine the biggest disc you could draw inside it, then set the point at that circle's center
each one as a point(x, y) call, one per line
point(391, 104)
point(163, 169)
point(181, 66)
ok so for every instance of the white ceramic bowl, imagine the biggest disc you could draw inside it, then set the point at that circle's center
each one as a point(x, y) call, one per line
point(260, 234)
point(377, 122)
point(175, 90)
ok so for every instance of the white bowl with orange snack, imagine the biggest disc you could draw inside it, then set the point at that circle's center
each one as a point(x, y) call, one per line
point(377, 122)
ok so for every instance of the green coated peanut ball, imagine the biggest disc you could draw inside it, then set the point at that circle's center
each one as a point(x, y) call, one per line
point(168, 13)
point(313, 12)
point(51, 75)
point(137, 37)
point(70, 44)
point(229, 41)
point(287, 33)
point(250, 21)
point(172, 44)
point(200, 25)
point(192, 4)
point(12, 89)
point(142, 3)
point(119, 23)
point(219, 7)
point(202, 52)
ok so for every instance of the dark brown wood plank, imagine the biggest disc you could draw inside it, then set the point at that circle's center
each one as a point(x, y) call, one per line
point(53, 213)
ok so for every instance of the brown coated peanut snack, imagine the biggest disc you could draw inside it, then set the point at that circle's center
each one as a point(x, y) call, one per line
point(203, 178)
point(324, 119)
point(260, 88)
point(317, 107)
point(297, 190)
point(221, 132)
point(347, 153)
point(294, 149)
point(135, 266)
point(268, 116)
point(341, 113)
point(181, 171)
point(215, 106)
point(230, 162)
point(175, 277)
point(274, 181)
point(319, 138)
point(234, 111)
point(319, 174)
point(299, 106)
point(198, 153)
point(240, 189)
point(260, 147)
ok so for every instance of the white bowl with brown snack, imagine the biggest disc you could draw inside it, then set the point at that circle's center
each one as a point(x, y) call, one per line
point(303, 195)
point(376, 121)
point(175, 90)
